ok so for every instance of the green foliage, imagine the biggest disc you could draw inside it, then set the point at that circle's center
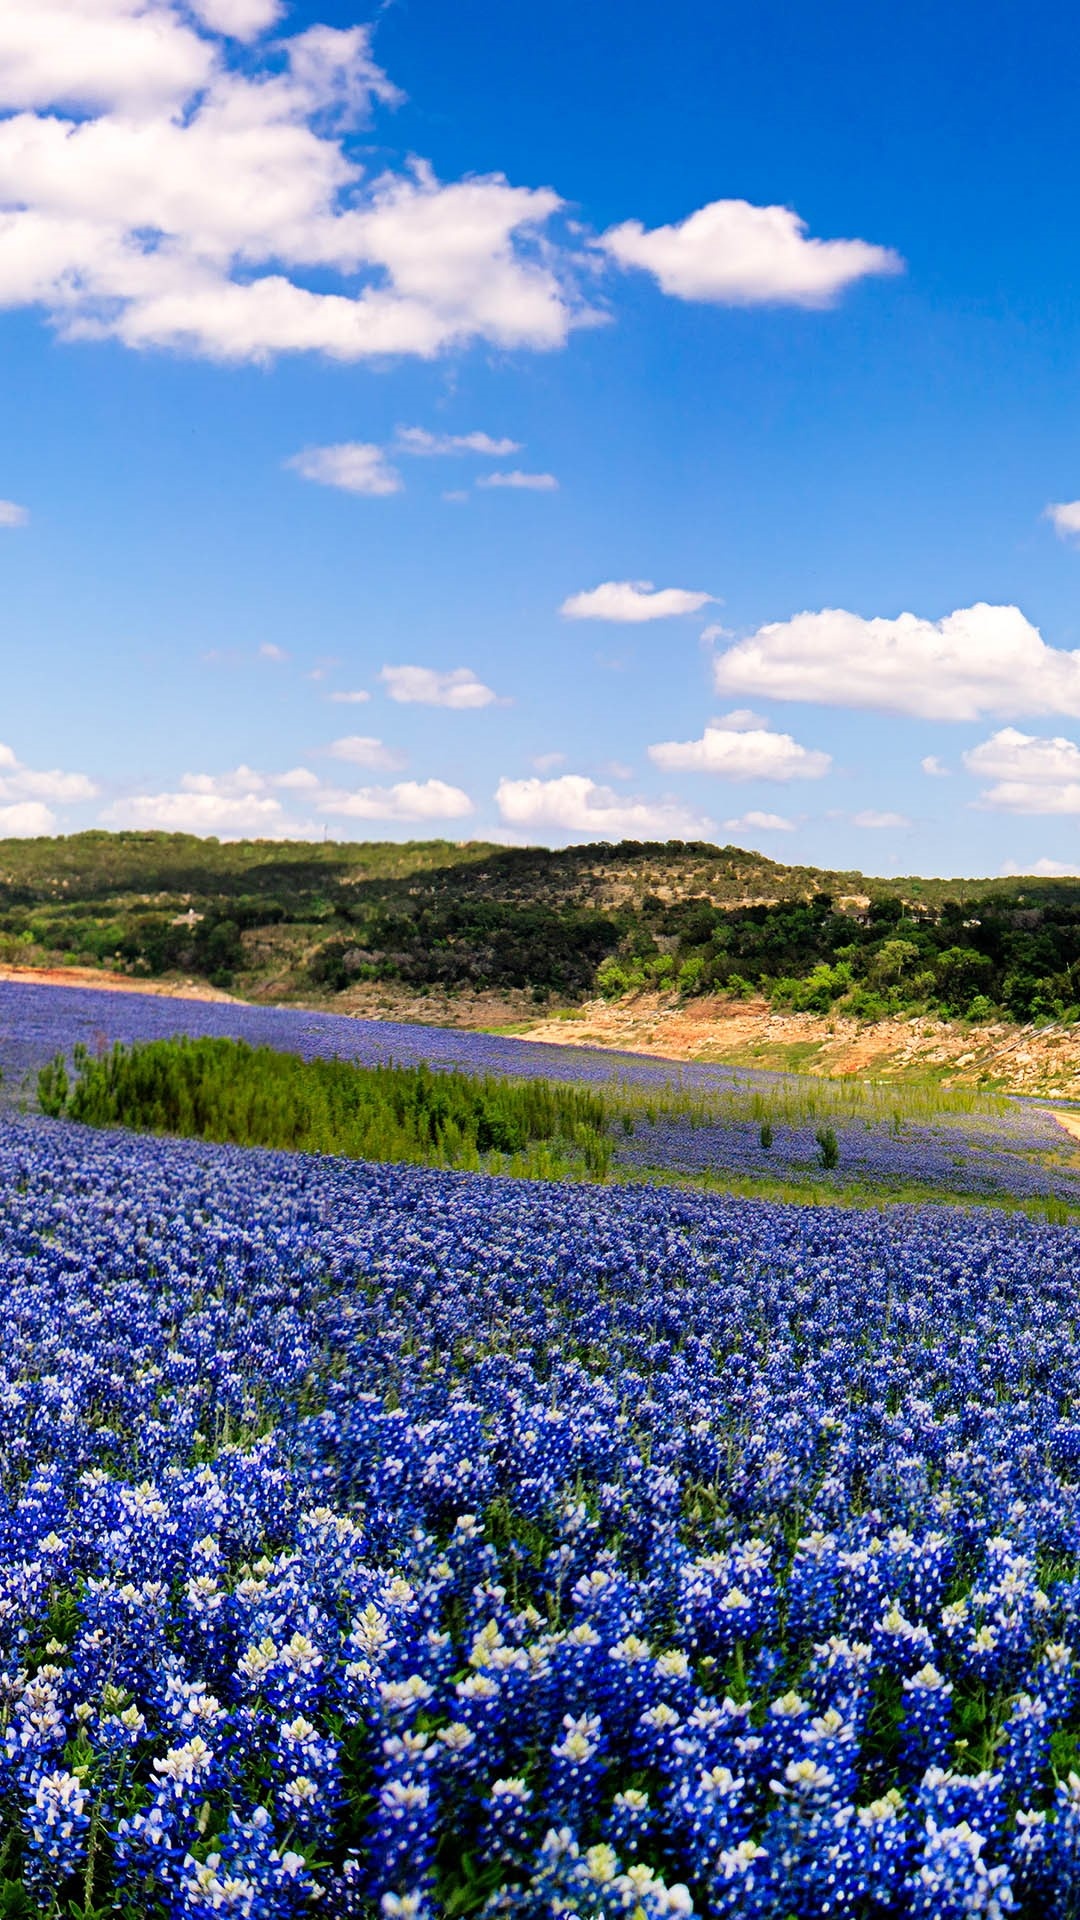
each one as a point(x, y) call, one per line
point(477, 943)
point(224, 1090)
point(53, 1087)
point(289, 920)
point(828, 1147)
point(817, 992)
point(1017, 956)
point(765, 1135)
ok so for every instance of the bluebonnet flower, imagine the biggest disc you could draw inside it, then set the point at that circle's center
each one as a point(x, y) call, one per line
point(574, 1778)
point(56, 1824)
point(953, 1880)
point(630, 1823)
point(927, 1721)
point(327, 1480)
point(1025, 1749)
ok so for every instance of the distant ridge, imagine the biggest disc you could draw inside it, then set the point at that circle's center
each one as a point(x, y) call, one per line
point(408, 928)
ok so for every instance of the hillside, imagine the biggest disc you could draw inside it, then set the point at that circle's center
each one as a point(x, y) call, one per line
point(477, 934)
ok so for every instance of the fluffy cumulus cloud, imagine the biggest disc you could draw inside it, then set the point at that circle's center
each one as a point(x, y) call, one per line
point(756, 822)
point(879, 822)
point(242, 19)
point(156, 189)
point(363, 750)
point(29, 795)
point(246, 802)
point(1044, 869)
point(521, 482)
point(573, 803)
point(349, 697)
point(742, 753)
point(978, 660)
point(1027, 774)
point(353, 466)
point(128, 55)
point(12, 515)
point(631, 602)
point(237, 803)
point(931, 765)
point(1064, 516)
point(25, 819)
point(734, 254)
point(405, 800)
point(417, 440)
point(425, 687)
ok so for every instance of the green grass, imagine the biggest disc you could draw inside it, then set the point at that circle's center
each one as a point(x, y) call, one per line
point(854, 1194)
point(804, 1099)
point(226, 1091)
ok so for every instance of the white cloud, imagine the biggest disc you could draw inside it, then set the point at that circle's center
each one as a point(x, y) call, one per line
point(25, 819)
point(740, 720)
point(734, 254)
point(129, 54)
point(869, 817)
point(346, 698)
point(152, 192)
point(242, 19)
point(978, 660)
point(353, 466)
point(760, 823)
point(1029, 775)
point(20, 783)
point(527, 482)
point(244, 801)
point(1064, 515)
point(238, 803)
point(268, 651)
point(458, 496)
point(238, 816)
point(418, 440)
point(424, 687)
point(362, 750)
point(933, 766)
point(406, 800)
point(572, 803)
point(632, 601)
point(744, 753)
point(12, 515)
point(546, 762)
point(1044, 869)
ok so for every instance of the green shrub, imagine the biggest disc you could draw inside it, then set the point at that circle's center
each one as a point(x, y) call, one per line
point(224, 1090)
point(828, 1148)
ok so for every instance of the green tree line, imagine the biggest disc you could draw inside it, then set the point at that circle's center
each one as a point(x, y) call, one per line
point(1014, 954)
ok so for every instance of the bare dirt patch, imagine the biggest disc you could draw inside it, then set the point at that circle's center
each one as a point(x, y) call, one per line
point(1036, 1060)
point(114, 982)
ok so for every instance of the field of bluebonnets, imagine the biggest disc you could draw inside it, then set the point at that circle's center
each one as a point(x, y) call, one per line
point(383, 1540)
point(685, 1120)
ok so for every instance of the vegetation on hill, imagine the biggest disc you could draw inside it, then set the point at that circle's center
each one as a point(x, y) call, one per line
point(1017, 955)
point(285, 920)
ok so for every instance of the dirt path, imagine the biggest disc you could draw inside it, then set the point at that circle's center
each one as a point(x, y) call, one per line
point(1070, 1122)
point(113, 982)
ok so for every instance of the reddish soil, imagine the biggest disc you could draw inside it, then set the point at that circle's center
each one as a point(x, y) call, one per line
point(113, 982)
point(1037, 1060)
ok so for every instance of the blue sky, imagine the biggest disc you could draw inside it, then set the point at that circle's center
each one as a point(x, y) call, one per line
point(387, 354)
